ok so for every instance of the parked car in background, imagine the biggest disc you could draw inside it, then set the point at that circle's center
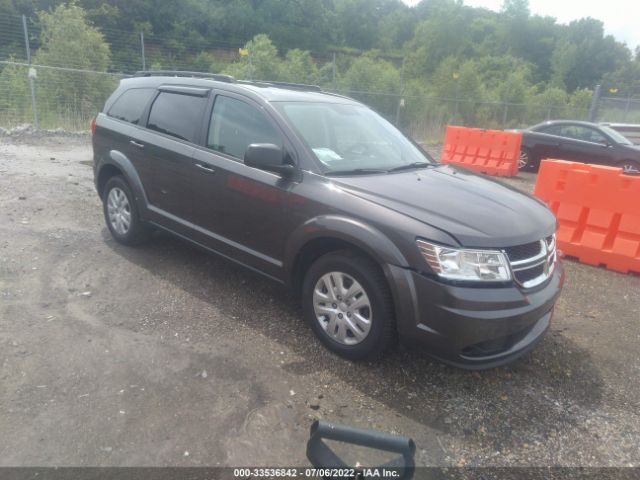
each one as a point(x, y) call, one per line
point(579, 142)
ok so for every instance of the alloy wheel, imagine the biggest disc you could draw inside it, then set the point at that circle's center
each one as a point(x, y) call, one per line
point(523, 160)
point(119, 211)
point(342, 308)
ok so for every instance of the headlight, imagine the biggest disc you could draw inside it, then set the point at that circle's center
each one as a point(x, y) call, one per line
point(462, 264)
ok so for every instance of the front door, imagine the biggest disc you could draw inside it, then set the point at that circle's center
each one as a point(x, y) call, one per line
point(243, 207)
point(583, 144)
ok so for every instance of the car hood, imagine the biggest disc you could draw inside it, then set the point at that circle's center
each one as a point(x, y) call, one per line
point(475, 210)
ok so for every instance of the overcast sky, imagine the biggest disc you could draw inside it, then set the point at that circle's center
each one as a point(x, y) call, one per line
point(621, 18)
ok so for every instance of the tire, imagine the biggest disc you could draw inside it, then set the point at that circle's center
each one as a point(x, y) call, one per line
point(526, 161)
point(630, 167)
point(119, 205)
point(354, 345)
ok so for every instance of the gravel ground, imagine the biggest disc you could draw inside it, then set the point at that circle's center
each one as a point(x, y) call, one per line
point(163, 355)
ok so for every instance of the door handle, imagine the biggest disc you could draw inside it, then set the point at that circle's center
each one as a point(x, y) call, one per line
point(136, 144)
point(205, 168)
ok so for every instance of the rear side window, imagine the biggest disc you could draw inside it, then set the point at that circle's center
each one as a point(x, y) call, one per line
point(577, 132)
point(552, 130)
point(235, 125)
point(131, 104)
point(178, 115)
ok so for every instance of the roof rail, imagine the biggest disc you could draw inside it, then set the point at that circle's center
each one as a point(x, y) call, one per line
point(227, 79)
point(182, 73)
point(292, 86)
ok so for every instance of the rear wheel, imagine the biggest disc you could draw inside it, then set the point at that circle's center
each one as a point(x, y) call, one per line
point(348, 305)
point(526, 161)
point(121, 213)
point(630, 166)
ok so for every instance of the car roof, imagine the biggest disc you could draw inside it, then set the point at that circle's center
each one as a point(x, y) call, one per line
point(564, 122)
point(265, 91)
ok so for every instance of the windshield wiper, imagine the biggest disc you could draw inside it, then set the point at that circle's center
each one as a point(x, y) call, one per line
point(409, 166)
point(355, 171)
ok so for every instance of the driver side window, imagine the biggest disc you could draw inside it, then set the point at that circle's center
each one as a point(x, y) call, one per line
point(595, 136)
point(235, 125)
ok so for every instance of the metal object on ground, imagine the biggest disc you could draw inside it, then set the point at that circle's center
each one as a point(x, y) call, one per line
point(322, 457)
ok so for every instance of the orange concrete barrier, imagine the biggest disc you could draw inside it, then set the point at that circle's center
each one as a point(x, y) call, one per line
point(486, 151)
point(598, 209)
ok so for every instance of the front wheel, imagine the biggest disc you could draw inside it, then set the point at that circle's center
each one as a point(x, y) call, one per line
point(630, 166)
point(347, 303)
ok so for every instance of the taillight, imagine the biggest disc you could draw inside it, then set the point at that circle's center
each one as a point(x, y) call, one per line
point(93, 126)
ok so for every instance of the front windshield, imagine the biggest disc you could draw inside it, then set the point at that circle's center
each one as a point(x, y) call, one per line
point(349, 138)
point(616, 136)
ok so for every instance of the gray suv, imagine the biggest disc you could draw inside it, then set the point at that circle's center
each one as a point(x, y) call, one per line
point(319, 193)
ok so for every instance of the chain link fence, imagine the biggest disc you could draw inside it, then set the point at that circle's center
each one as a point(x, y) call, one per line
point(64, 93)
point(619, 109)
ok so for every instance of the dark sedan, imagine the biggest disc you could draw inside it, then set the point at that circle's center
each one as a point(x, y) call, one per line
point(579, 142)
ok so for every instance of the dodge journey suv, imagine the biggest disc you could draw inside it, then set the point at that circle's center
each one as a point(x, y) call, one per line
point(316, 191)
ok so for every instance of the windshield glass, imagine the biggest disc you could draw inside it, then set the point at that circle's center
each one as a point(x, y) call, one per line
point(351, 138)
point(616, 136)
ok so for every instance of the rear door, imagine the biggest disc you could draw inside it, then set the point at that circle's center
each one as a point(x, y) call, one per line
point(173, 127)
point(548, 142)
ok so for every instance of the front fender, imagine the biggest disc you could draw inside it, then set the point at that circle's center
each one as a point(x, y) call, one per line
point(360, 234)
point(369, 239)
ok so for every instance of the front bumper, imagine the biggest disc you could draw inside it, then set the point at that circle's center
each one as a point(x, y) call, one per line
point(473, 327)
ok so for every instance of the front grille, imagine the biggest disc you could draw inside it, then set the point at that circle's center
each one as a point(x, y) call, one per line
point(534, 262)
point(522, 252)
point(529, 274)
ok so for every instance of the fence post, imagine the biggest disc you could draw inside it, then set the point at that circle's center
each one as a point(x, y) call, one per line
point(144, 60)
point(595, 100)
point(457, 101)
point(505, 111)
point(400, 99)
point(333, 72)
point(626, 108)
point(31, 74)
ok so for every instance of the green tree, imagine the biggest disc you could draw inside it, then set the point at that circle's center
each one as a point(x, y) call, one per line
point(371, 74)
point(299, 67)
point(15, 103)
point(584, 55)
point(7, 8)
point(625, 79)
point(549, 104)
point(516, 8)
point(261, 61)
point(68, 40)
point(458, 84)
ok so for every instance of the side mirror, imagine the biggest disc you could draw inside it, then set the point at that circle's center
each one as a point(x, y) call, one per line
point(267, 156)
